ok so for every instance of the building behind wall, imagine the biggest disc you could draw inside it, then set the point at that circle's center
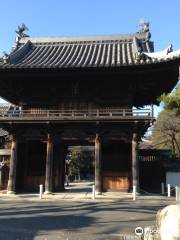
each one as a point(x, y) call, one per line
point(81, 91)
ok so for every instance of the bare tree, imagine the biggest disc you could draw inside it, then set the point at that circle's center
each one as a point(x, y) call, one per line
point(166, 132)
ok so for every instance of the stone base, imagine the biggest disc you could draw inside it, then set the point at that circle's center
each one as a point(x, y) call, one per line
point(11, 192)
point(47, 193)
point(98, 193)
point(138, 193)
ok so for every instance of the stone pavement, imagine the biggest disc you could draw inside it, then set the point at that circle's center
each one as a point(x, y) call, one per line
point(73, 215)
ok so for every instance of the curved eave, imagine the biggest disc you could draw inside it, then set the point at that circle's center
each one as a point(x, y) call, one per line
point(141, 64)
point(150, 79)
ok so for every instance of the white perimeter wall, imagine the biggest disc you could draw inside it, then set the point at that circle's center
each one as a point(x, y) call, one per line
point(173, 178)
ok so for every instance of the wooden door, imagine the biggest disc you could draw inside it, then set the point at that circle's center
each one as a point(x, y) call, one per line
point(116, 183)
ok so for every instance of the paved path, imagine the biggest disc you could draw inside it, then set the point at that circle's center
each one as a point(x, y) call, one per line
point(76, 191)
point(75, 216)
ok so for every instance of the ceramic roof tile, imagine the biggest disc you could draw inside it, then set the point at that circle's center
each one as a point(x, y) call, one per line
point(101, 51)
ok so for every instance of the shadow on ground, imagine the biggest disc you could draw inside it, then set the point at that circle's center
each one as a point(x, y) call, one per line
point(74, 220)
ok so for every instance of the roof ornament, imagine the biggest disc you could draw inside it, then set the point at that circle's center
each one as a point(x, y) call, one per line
point(145, 28)
point(138, 56)
point(173, 54)
point(5, 57)
point(161, 54)
point(20, 33)
point(144, 25)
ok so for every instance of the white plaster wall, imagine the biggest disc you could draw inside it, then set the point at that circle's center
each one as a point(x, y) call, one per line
point(173, 178)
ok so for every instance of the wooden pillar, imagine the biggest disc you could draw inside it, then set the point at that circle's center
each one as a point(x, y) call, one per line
point(49, 165)
point(135, 163)
point(98, 177)
point(12, 167)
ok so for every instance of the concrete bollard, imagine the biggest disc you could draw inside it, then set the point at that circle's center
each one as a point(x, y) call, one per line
point(162, 188)
point(169, 190)
point(93, 192)
point(177, 194)
point(134, 193)
point(40, 191)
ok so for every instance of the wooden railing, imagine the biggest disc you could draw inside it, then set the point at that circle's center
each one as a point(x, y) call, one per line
point(42, 114)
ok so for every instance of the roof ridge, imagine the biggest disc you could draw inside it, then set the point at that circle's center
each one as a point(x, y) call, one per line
point(96, 38)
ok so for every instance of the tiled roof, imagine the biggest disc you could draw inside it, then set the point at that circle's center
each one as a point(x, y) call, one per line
point(79, 52)
point(4, 107)
point(3, 132)
point(146, 144)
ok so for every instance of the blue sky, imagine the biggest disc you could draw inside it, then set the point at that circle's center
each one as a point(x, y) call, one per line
point(90, 17)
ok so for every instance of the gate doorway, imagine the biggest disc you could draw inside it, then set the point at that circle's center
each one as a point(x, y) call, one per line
point(79, 168)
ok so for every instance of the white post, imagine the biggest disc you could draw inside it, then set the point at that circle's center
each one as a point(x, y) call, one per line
point(162, 188)
point(134, 193)
point(169, 190)
point(40, 191)
point(93, 192)
point(176, 193)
